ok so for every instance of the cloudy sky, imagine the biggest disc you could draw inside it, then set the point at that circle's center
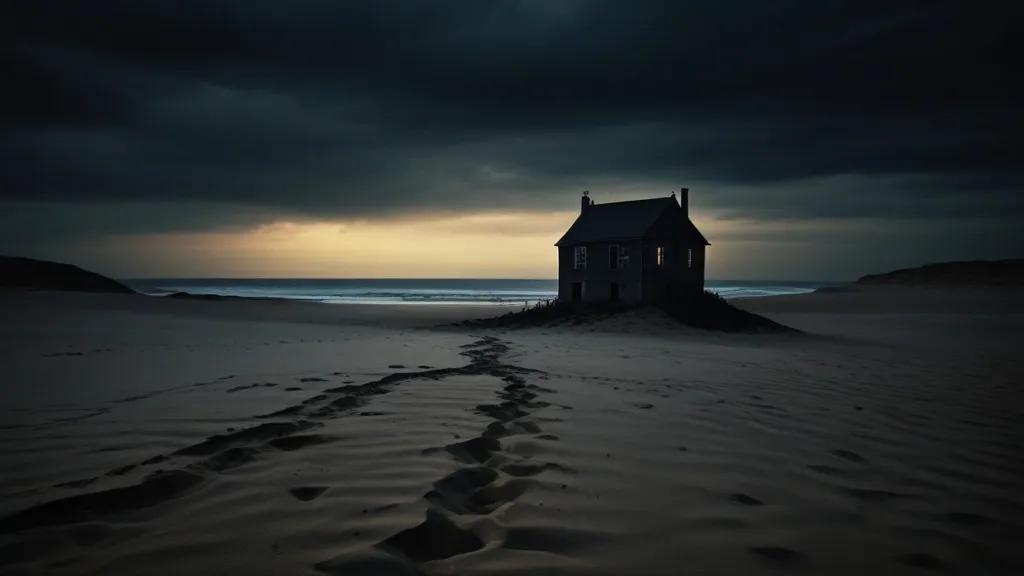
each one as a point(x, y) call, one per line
point(821, 139)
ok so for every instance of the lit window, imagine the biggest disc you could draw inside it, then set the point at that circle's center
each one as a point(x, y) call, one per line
point(580, 261)
point(661, 256)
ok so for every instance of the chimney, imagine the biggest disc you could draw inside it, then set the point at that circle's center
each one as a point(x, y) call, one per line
point(684, 201)
point(585, 201)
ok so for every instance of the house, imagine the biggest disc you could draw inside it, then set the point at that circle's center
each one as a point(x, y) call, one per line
point(637, 251)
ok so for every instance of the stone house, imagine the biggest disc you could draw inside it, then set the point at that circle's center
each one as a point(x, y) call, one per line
point(640, 251)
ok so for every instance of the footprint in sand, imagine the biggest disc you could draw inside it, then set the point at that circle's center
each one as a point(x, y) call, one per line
point(76, 483)
point(746, 499)
point(848, 455)
point(251, 386)
point(868, 495)
point(778, 554)
point(299, 441)
point(826, 470)
point(967, 519)
point(155, 489)
point(925, 561)
point(436, 538)
point(307, 493)
point(121, 470)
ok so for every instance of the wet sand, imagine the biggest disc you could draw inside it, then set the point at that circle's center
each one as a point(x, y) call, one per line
point(141, 436)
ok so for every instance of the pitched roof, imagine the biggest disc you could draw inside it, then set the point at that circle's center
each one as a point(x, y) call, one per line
point(623, 220)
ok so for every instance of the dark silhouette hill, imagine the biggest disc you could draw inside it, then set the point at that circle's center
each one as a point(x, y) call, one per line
point(964, 273)
point(17, 273)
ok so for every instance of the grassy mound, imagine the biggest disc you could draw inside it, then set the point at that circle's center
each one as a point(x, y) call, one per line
point(706, 311)
point(548, 313)
point(709, 311)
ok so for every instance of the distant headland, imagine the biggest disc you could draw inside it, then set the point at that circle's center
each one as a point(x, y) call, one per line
point(17, 273)
point(964, 273)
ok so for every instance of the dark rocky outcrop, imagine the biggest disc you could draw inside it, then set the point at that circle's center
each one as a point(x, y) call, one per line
point(966, 273)
point(17, 273)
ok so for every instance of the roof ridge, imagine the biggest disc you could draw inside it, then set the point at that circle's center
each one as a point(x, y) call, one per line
point(631, 201)
point(625, 219)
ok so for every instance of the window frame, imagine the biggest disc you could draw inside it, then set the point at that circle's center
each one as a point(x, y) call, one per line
point(579, 261)
point(620, 258)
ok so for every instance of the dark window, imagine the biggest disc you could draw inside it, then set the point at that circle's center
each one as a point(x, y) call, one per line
point(617, 257)
point(580, 258)
point(689, 258)
point(614, 292)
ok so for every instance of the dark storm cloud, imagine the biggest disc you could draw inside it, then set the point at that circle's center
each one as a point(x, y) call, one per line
point(369, 108)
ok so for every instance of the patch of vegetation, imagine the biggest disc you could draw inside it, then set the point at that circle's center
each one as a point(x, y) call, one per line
point(549, 313)
point(705, 310)
point(709, 311)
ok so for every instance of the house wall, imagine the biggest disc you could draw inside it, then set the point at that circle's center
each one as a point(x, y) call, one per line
point(598, 277)
point(658, 282)
point(681, 273)
point(696, 277)
point(642, 280)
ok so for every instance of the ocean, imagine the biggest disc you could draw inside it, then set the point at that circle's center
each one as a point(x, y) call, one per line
point(428, 291)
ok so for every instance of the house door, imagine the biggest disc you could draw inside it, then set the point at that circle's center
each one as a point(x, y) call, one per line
point(614, 292)
point(577, 291)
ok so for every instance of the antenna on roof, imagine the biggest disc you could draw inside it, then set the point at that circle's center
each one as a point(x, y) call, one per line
point(587, 192)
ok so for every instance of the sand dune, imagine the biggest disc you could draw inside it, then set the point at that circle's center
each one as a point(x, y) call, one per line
point(148, 436)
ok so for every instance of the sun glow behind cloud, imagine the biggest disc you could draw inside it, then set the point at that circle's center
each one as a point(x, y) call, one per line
point(481, 245)
point(513, 245)
point(502, 245)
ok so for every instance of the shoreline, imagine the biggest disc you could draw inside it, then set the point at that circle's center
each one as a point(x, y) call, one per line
point(459, 292)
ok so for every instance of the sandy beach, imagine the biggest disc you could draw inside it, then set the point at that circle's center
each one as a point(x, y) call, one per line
point(150, 436)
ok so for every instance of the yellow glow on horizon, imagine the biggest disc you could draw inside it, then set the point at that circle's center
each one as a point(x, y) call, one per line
point(514, 245)
point(482, 245)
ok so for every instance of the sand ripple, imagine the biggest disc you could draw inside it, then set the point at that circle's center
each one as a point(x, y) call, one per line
point(492, 467)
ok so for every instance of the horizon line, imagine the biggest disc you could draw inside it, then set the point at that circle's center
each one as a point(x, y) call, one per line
point(326, 279)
